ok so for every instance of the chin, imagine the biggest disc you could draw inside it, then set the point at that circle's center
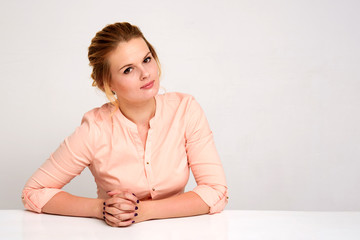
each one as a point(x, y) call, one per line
point(150, 94)
point(155, 89)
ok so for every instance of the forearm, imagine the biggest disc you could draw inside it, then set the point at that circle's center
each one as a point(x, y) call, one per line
point(64, 203)
point(186, 204)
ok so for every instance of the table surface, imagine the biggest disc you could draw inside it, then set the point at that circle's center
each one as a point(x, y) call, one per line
point(230, 224)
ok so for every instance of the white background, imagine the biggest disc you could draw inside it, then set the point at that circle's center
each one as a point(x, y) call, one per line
point(278, 80)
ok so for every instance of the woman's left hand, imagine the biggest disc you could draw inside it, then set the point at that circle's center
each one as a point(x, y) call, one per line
point(120, 209)
point(142, 208)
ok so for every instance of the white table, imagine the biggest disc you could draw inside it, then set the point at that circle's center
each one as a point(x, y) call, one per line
point(239, 225)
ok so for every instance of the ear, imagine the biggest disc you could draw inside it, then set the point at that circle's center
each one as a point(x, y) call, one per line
point(112, 90)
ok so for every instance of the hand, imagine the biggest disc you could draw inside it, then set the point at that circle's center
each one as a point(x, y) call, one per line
point(119, 210)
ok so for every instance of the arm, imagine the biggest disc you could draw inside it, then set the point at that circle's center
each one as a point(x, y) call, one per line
point(204, 159)
point(186, 204)
point(64, 203)
point(68, 161)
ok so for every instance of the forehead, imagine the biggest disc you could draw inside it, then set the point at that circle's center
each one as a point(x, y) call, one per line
point(128, 53)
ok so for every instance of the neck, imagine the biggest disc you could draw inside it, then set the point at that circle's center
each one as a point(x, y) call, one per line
point(139, 113)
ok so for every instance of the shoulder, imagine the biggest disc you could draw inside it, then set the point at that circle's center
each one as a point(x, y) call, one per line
point(99, 116)
point(175, 96)
point(176, 99)
point(181, 104)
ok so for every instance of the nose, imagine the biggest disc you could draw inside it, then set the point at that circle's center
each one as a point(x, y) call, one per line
point(144, 74)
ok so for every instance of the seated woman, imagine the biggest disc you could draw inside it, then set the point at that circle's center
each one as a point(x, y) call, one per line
point(139, 146)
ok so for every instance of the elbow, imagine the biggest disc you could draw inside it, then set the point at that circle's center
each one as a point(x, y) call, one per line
point(27, 197)
point(223, 199)
point(34, 199)
point(215, 196)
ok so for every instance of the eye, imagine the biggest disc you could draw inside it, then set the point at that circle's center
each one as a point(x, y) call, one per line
point(148, 59)
point(128, 70)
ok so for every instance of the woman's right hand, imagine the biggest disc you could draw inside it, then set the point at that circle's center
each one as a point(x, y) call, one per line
point(120, 209)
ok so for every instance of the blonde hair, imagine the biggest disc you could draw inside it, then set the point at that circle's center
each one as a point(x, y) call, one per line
point(106, 41)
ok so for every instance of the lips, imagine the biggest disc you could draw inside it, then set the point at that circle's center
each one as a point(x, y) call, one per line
point(148, 85)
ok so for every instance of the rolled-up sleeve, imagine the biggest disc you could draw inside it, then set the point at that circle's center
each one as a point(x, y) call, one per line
point(69, 160)
point(204, 160)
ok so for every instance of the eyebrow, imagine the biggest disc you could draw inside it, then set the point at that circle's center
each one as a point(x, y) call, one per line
point(127, 65)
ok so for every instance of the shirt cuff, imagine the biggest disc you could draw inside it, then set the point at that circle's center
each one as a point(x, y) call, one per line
point(35, 199)
point(216, 199)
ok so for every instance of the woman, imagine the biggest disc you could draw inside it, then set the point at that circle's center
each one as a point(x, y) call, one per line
point(139, 147)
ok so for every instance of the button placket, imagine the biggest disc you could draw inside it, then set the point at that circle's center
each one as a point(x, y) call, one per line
point(147, 161)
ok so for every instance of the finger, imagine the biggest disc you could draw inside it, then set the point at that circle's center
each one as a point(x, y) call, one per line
point(118, 191)
point(113, 192)
point(124, 216)
point(114, 210)
point(125, 207)
point(124, 194)
point(112, 221)
point(126, 223)
point(117, 200)
point(108, 222)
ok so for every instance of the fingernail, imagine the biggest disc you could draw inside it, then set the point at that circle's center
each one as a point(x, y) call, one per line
point(104, 208)
point(134, 194)
point(104, 218)
point(133, 221)
point(136, 214)
point(104, 204)
point(108, 191)
point(137, 201)
point(103, 213)
point(136, 208)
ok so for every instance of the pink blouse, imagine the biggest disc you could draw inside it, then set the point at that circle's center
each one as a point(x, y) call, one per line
point(179, 138)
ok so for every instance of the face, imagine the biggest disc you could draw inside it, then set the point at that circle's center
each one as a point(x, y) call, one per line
point(134, 72)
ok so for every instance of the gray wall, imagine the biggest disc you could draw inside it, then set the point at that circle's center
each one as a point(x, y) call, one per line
point(278, 80)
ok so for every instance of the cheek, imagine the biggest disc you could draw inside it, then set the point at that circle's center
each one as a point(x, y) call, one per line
point(120, 84)
point(154, 69)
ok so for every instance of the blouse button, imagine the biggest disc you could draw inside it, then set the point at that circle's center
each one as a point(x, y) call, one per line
point(153, 189)
point(147, 162)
